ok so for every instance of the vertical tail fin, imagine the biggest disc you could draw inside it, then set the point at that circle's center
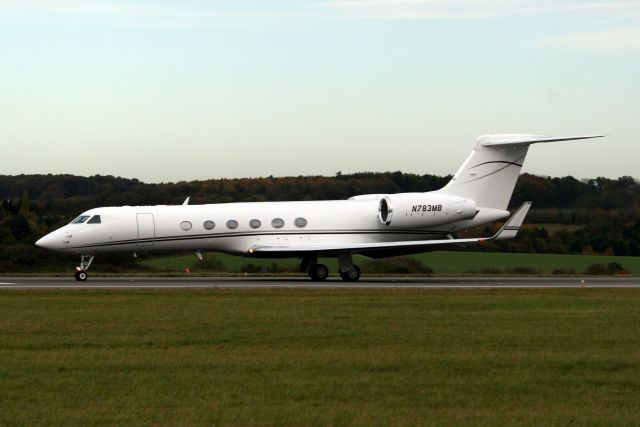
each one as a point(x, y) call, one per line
point(489, 174)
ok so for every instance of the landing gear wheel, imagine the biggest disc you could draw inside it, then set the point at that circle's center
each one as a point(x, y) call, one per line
point(318, 272)
point(351, 275)
point(81, 270)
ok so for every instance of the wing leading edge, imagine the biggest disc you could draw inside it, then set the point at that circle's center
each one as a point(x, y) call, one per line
point(508, 231)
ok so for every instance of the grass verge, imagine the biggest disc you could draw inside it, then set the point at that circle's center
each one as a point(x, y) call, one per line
point(491, 357)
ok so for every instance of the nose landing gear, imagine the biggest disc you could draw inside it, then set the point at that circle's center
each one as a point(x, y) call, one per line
point(81, 270)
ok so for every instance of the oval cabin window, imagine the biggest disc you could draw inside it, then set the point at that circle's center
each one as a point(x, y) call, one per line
point(255, 223)
point(300, 222)
point(209, 225)
point(277, 223)
point(232, 224)
point(185, 226)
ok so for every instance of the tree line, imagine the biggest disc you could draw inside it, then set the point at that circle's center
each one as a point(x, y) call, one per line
point(602, 212)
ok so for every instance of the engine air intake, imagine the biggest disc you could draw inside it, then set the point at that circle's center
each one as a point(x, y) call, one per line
point(385, 211)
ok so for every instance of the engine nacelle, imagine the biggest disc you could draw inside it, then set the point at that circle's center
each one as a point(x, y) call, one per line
point(419, 210)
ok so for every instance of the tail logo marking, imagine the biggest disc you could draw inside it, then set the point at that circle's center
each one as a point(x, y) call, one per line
point(498, 161)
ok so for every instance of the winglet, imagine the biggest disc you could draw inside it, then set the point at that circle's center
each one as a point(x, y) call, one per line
point(511, 227)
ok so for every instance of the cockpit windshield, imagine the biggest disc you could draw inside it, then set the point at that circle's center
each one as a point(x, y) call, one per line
point(80, 219)
point(94, 220)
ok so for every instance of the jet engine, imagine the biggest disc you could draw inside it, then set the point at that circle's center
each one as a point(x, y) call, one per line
point(419, 210)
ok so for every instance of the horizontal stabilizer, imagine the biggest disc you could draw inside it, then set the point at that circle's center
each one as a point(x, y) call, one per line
point(508, 231)
point(524, 139)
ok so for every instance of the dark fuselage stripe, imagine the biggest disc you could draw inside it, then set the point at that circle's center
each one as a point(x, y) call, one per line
point(222, 235)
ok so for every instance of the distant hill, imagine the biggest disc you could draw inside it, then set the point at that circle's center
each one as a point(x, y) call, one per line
point(70, 194)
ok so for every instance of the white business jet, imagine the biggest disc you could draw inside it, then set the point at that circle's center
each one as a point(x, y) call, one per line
point(374, 225)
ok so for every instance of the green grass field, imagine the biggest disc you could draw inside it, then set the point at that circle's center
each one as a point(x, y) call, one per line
point(462, 262)
point(447, 263)
point(300, 357)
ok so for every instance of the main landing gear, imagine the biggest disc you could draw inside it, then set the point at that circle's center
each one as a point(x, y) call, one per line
point(81, 270)
point(351, 275)
point(318, 272)
point(348, 270)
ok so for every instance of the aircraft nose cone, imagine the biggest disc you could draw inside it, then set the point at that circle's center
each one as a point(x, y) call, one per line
point(47, 242)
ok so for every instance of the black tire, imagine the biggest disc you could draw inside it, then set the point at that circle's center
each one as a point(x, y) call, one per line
point(351, 275)
point(318, 272)
point(81, 276)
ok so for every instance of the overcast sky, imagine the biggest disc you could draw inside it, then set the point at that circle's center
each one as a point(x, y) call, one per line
point(181, 90)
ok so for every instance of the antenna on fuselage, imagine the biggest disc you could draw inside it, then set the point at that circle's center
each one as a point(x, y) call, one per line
point(186, 201)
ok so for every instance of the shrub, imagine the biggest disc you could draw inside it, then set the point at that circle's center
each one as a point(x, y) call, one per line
point(210, 263)
point(601, 269)
point(487, 271)
point(400, 265)
point(273, 268)
point(597, 270)
point(563, 271)
point(524, 270)
point(615, 268)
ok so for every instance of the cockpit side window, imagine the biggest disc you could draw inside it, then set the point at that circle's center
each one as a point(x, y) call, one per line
point(94, 220)
point(80, 219)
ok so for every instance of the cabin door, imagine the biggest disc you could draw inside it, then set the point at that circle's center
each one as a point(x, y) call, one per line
point(146, 229)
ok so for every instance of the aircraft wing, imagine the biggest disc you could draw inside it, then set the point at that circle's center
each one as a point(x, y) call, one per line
point(508, 231)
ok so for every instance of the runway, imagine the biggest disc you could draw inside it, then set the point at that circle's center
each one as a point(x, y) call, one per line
point(426, 283)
